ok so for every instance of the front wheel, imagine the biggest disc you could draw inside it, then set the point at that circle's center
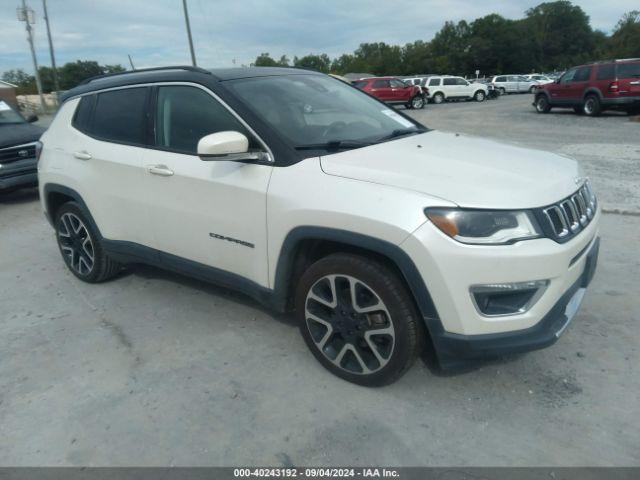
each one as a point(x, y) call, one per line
point(542, 104)
point(479, 96)
point(80, 246)
point(358, 319)
point(417, 102)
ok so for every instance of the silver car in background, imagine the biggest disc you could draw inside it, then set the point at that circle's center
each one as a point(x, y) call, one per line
point(513, 84)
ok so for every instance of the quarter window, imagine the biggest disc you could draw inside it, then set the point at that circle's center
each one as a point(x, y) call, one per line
point(186, 114)
point(628, 70)
point(120, 116)
point(82, 117)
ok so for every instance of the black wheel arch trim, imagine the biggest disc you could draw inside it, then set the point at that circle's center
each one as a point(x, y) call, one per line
point(394, 253)
point(590, 91)
point(50, 188)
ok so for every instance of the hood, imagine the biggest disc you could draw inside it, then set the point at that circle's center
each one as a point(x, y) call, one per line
point(470, 172)
point(17, 134)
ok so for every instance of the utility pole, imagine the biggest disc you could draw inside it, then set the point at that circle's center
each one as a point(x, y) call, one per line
point(131, 62)
point(56, 85)
point(186, 19)
point(27, 16)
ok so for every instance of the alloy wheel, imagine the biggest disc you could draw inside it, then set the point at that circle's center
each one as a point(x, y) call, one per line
point(589, 106)
point(350, 324)
point(417, 102)
point(76, 244)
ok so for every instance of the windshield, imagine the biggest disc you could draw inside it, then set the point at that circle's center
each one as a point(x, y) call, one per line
point(8, 115)
point(319, 112)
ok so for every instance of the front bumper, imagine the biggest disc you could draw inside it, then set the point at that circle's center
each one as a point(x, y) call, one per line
point(21, 173)
point(449, 269)
point(455, 349)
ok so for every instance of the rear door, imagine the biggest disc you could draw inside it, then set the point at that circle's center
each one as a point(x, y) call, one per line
point(578, 85)
point(450, 87)
point(628, 79)
point(107, 161)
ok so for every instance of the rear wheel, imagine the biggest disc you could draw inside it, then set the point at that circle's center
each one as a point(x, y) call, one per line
point(532, 89)
point(80, 246)
point(542, 104)
point(591, 106)
point(358, 319)
point(438, 97)
point(501, 91)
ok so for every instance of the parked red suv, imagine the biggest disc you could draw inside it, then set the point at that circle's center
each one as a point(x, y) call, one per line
point(592, 88)
point(394, 90)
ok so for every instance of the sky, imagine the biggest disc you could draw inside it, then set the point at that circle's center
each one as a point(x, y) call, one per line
point(227, 31)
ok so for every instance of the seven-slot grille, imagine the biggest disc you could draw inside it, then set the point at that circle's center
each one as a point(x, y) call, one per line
point(21, 152)
point(572, 214)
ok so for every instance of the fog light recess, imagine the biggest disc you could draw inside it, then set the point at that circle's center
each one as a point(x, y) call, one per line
point(498, 299)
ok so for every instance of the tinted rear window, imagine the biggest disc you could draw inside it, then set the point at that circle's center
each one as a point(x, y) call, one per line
point(120, 115)
point(606, 72)
point(628, 70)
point(449, 81)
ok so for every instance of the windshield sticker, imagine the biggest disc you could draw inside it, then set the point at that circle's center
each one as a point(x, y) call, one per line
point(398, 118)
point(4, 106)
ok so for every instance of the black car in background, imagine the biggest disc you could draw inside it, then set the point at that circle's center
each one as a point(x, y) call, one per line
point(18, 140)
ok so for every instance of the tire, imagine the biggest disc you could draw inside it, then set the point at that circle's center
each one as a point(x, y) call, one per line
point(479, 96)
point(338, 332)
point(532, 89)
point(591, 106)
point(417, 102)
point(502, 91)
point(438, 98)
point(80, 246)
point(542, 104)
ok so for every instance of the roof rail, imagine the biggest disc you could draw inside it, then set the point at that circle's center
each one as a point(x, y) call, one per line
point(152, 69)
point(613, 60)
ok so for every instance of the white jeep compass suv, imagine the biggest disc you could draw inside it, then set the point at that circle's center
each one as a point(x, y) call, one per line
point(309, 195)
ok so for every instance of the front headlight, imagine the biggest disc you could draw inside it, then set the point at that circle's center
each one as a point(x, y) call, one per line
point(484, 227)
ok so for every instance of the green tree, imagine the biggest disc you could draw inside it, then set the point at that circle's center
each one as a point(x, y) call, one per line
point(451, 48)
point(625, 41)
point(320, 63)
point(18, 77)
point(562, 34)
point(117, 68)
point(72, 73)
point(265, 60)
point(417, 58)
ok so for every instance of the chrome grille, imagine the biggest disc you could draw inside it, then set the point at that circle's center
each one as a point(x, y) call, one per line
point(572, 214)
point(20, 152)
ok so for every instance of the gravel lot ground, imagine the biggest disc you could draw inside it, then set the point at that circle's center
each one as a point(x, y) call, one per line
point(157, 369)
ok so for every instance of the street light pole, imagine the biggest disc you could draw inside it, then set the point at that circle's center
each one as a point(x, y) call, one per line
point(26, 15)
point(56, 85)
point(186, 19)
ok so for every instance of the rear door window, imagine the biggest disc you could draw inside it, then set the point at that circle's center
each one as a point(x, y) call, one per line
point(606, 72)
point(381, 84)
point(449, 81)
point(120, 116)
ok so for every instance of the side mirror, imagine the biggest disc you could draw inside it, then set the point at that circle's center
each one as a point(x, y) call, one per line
point(228, 146)
point(32, 118)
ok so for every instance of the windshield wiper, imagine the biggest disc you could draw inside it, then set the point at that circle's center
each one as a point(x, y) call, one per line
point(399, 133)
point(334, 145)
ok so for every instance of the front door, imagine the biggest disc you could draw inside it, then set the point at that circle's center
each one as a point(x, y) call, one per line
point(210, 212)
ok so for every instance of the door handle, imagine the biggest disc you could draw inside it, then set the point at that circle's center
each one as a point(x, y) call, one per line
point(161, 170)
point(82, 155)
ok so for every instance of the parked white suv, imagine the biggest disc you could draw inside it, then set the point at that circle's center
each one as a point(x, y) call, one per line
point(455, 88)
point(309, 195)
